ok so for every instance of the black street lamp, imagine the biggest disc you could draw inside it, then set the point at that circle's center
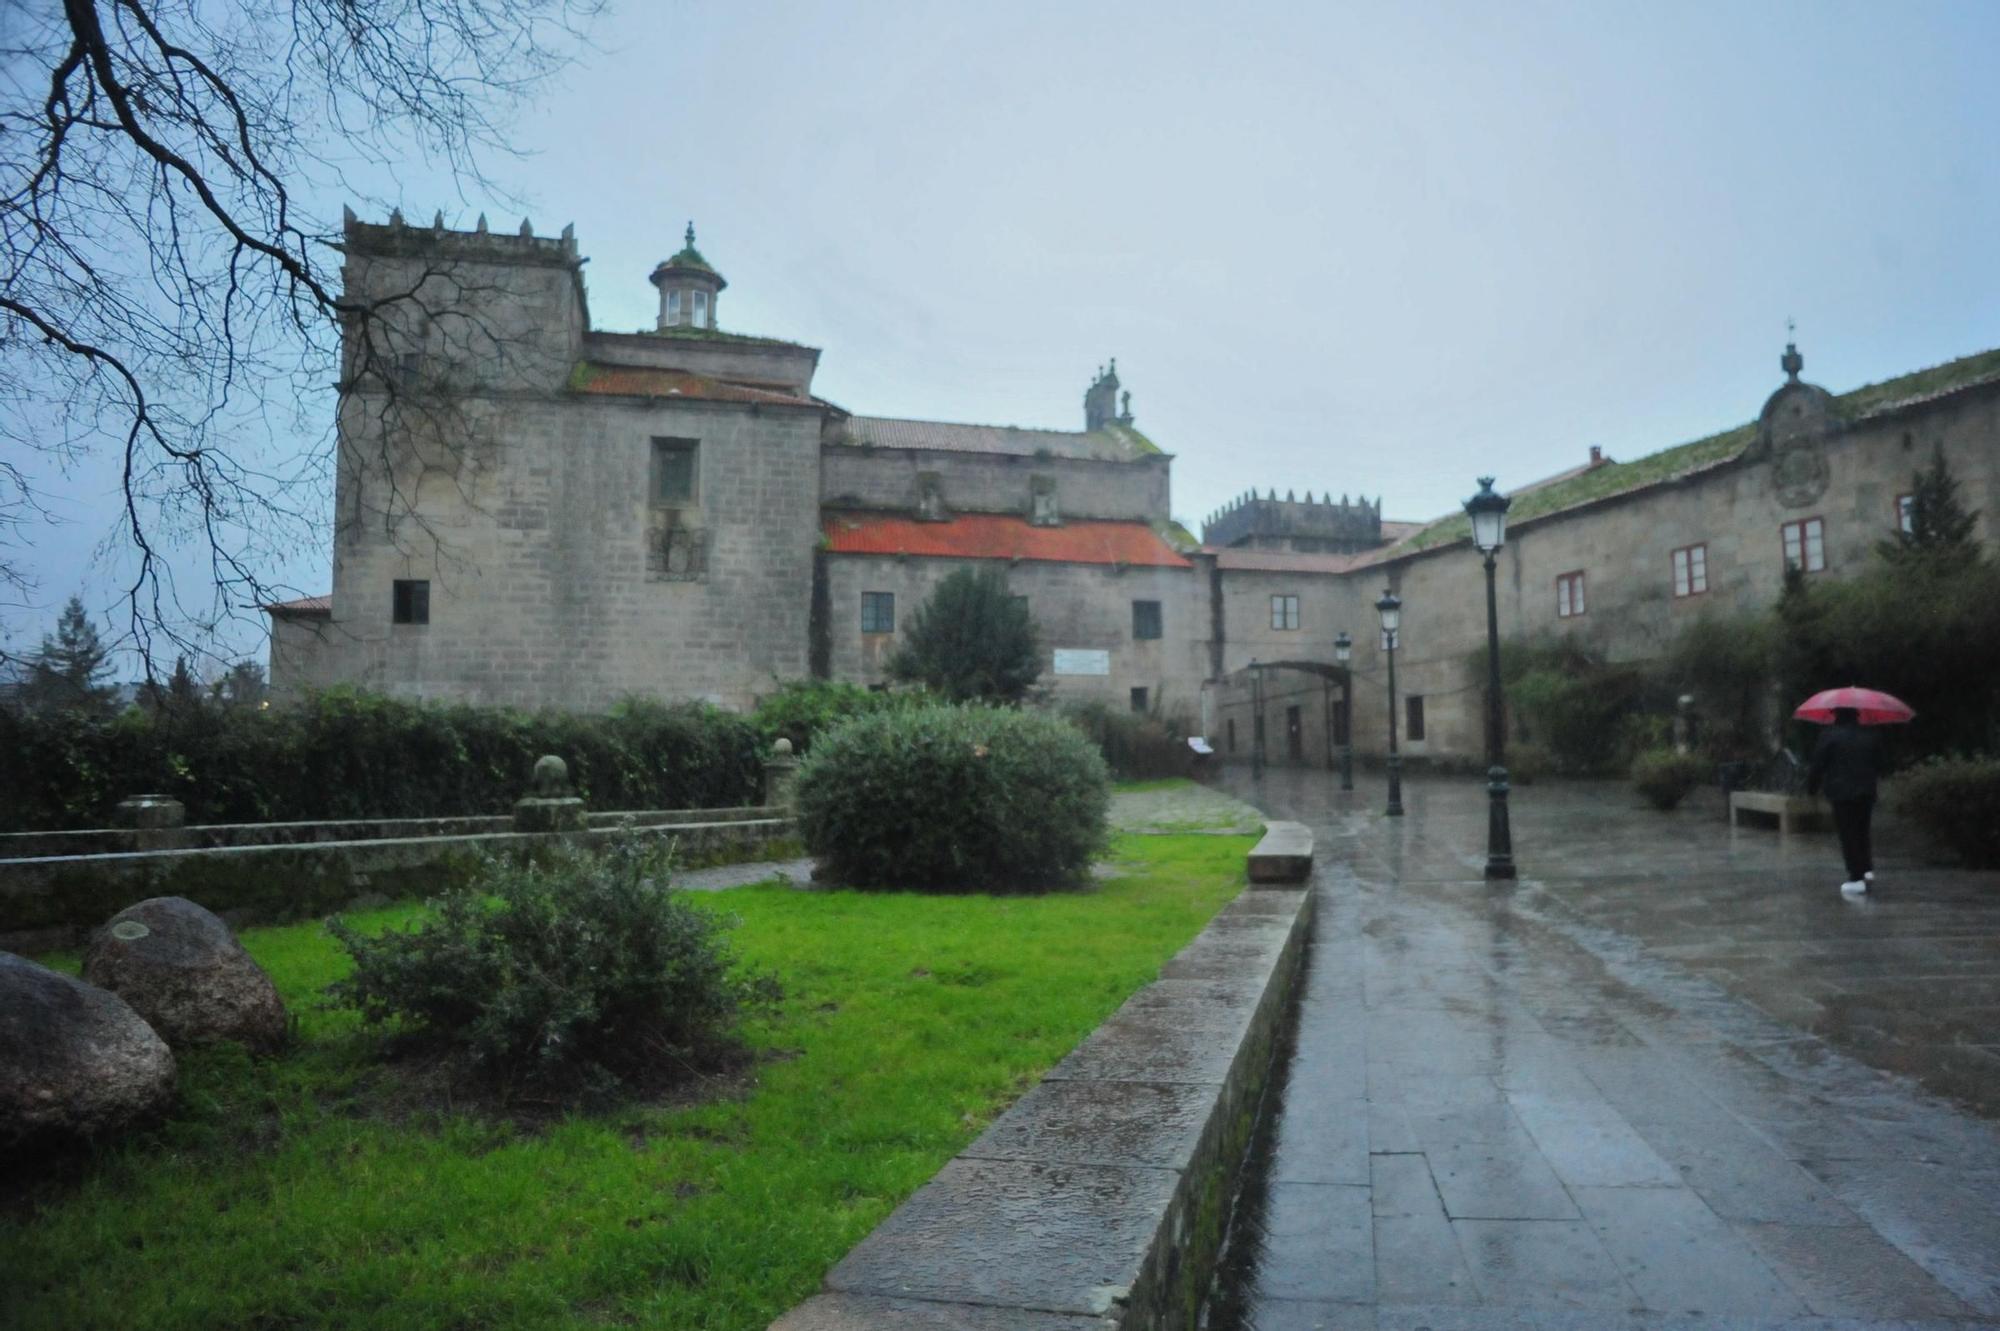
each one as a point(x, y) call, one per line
point(1343, 650)
point(1390, 607)
point(1488, 512)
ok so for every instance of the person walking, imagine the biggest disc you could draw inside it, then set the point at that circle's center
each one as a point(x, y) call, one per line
point(1844, 764)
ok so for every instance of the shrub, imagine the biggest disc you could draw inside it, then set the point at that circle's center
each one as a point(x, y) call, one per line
point(1665, 777)
point(1726, 662)
point(1955, 802)
point(580, 973)
point(1136, 746)
point(802, 708)
point(1925, 630)
point(954, 798)
point(348, 754)
point(1568, 700)
point(1525, 762)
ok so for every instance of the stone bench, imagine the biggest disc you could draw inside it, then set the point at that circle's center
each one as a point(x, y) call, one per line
point(1285, 855)
point(1790, 813)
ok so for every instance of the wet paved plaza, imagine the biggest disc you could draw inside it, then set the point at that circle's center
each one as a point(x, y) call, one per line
point(1669, 1079)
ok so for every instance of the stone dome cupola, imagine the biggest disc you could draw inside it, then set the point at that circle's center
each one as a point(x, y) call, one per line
point(689, 288)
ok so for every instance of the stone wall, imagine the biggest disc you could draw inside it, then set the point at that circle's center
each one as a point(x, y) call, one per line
point(860, 477)
point(1086, 606)
point(1623, 545)
point(543, 554)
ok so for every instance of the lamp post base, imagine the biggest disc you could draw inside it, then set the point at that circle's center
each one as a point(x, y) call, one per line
point(1499, 835)
point(1395, 809)
point(1347, 767)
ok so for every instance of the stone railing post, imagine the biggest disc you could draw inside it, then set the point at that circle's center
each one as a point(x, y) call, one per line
point(549, 806)
point(157, 822)
point(781, 770)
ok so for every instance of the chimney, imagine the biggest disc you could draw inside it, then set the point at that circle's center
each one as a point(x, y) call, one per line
point(1596, 456)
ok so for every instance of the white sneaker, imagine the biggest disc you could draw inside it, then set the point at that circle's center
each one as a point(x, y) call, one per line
point(1868, 877)
point(1853, 889)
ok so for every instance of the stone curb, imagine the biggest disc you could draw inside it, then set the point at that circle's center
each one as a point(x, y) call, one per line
point(1100, 1198)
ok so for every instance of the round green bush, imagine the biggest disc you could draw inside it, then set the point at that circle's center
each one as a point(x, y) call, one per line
point(1955, 803)
point(953, 799)
point(1665, 777)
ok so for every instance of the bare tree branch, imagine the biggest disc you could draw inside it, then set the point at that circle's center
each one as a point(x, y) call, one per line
point(166, 289)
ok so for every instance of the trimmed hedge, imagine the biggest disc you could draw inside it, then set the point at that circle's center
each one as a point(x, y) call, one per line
point(347, 754)
point(954, 798)
point(1955, 802)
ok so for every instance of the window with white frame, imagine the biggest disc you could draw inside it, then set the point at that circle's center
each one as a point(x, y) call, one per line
point(673, 308)
point(1691, 570)
point(701, 309)
point(1805, 544)
point(1569, 595)
point(1285, 612)
point(1906, 513)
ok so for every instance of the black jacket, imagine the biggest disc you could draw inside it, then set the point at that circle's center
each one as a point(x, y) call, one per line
point(1844, 763)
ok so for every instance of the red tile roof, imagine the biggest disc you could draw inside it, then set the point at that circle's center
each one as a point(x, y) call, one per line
point(1000, 536)
point(648, 381)
point(304, 605)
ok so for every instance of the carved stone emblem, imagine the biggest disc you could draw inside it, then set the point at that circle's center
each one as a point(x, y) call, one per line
point(1799, 474)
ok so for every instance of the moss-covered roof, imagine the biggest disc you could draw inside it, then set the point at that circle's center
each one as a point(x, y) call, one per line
point(1138, 443)
point(1613, 478)
point(688, 333)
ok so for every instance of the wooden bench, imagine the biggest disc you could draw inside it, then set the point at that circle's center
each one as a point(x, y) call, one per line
point(1285, 855)
point(1788, 813)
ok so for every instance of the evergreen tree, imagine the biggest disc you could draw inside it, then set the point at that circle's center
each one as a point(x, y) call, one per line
point(68, 673)
point(1940, 524)
point(180, 693)
point(971, 641)
point(242, 686)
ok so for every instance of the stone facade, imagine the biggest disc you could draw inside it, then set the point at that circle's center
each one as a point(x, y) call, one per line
point(531, 511)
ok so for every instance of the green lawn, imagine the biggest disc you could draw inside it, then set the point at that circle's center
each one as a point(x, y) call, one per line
point(302, 1192)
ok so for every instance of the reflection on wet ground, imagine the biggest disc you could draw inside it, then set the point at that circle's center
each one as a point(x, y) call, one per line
point(1670, 1079)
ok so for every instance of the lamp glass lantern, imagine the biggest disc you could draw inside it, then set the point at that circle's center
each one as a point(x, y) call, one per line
point(1488, 512)
point(1343, 648)
point(1390, 607)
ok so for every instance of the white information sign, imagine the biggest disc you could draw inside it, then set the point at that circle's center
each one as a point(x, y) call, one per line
point(1082, 661)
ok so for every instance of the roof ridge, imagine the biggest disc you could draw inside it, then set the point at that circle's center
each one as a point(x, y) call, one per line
point(975, 425)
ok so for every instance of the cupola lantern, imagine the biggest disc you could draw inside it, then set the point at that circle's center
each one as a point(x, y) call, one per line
point(689, 288)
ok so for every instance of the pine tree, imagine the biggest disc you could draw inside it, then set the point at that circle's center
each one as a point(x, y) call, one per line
point(971, 641)
point(68, 673)
point(1940, 524)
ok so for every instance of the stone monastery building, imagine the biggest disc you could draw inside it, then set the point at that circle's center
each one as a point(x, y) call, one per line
point(533, 511)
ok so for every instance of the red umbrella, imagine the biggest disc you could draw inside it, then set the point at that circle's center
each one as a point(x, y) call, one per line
point(1874, 707)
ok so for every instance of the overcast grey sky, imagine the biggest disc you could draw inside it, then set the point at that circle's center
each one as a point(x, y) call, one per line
point(1377, 249)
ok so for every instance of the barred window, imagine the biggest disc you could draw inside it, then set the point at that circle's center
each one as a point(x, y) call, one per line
point(878, 612)
point(1145, 619)
point(675, 477)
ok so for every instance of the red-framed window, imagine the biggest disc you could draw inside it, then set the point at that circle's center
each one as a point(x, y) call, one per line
point(1691, 570)
point(1569, 595)
point(1906, 515)
point(1805, 544)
